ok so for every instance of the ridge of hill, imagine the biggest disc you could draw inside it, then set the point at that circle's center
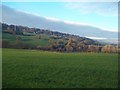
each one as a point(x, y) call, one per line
point(23, 30)
point(26, 31)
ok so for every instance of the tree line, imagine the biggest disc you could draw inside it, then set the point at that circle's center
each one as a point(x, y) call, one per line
point(61, 46)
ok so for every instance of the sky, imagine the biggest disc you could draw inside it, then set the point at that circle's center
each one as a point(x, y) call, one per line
point(99, 14)
point(60, 0)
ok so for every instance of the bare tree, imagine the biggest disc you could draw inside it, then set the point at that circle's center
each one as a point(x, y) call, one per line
point(18, 39)
point(109, 49)
point(68, 47)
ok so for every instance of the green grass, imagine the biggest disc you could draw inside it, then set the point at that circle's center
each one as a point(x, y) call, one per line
point(32, 40)
point(42, 69)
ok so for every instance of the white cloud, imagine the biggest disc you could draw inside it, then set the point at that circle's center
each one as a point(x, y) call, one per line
point(11, 16)
point(86, 24)
point(66, 21)
point(96, 38)
point(52, 19)
point(101, 8)
point(74, 23)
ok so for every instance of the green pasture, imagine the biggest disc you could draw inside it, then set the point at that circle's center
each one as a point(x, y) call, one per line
point(43, 69)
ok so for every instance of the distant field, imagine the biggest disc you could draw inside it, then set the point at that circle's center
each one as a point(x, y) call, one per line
point(32, 40)
point(42, 69)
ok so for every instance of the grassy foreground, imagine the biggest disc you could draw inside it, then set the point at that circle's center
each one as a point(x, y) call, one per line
point(42, 69)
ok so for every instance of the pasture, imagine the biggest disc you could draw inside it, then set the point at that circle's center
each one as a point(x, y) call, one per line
point(31, 40)
point(43, 69)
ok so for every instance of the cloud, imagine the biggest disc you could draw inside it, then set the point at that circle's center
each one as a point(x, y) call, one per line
point(8, 10)
point(78, 23)
point(11, 16)
point(86, 24)
point(101, 8)
point(96, 38)
point(74, 23)
point(52, 19)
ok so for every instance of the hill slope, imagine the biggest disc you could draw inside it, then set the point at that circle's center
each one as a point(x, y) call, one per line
point(35, 37)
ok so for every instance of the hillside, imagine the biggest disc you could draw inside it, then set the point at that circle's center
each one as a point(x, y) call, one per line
point(40, 37)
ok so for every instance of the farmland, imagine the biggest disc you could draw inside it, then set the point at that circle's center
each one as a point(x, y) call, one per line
point(43, 69)
point(27, 39)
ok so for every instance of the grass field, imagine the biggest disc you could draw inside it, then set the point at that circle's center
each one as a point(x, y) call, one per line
point(42, 69)
point(32, 40)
